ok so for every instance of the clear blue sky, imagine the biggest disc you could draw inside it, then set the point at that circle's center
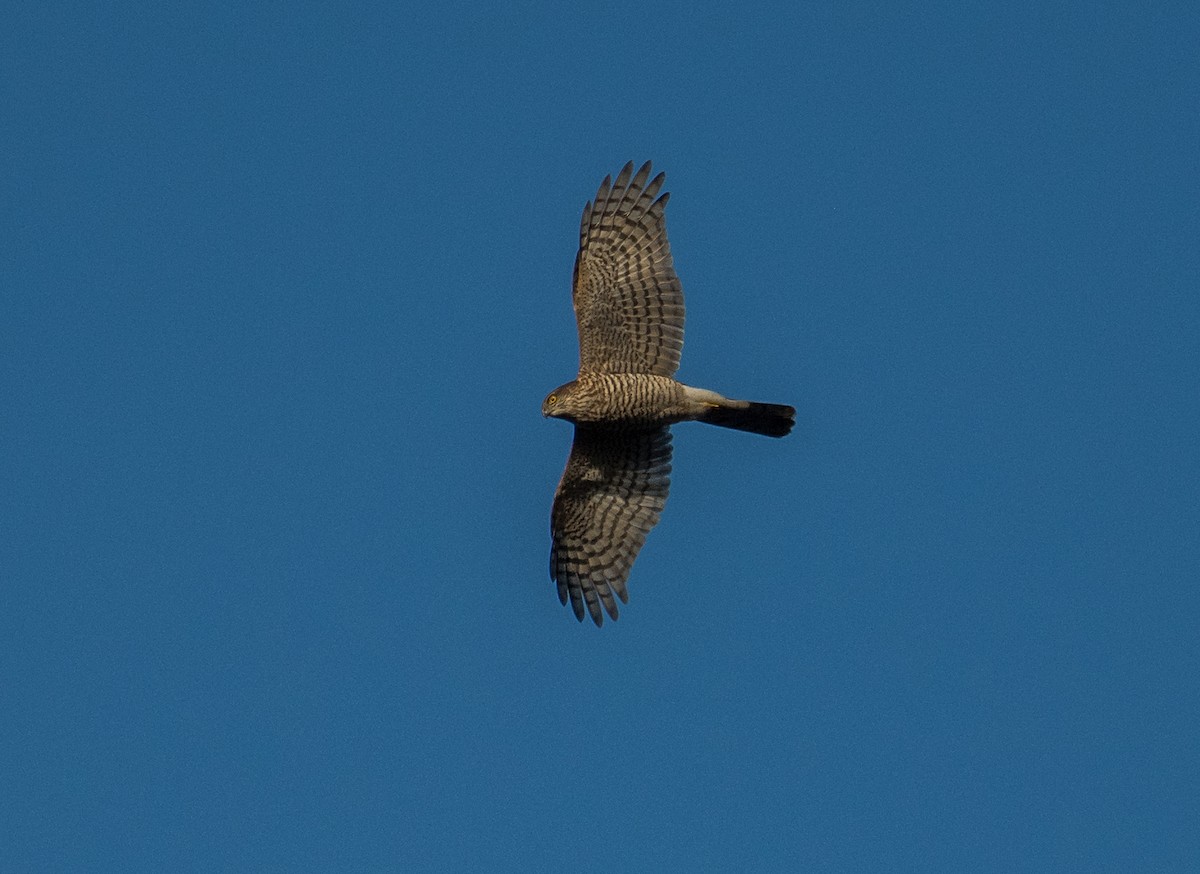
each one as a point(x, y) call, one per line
point(284, 286)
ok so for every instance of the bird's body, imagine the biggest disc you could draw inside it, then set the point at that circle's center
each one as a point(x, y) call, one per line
point(629, 309)
point(639, 400)
point(631, 399)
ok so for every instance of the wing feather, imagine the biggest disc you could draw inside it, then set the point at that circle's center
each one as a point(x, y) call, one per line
point(628, 299)
point(611, 495)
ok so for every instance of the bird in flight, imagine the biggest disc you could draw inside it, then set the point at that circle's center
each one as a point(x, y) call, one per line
point(629, 311)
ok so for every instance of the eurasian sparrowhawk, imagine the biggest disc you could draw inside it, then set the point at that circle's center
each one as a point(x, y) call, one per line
point(629, 309)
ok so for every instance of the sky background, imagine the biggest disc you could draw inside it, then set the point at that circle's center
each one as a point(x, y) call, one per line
point(284, 286)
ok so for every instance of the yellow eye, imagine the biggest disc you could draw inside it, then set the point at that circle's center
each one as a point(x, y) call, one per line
point(552, 400)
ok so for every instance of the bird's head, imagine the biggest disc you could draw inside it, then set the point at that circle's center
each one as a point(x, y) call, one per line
point(560, 403)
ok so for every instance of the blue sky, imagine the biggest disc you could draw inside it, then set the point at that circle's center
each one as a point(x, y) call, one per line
point(284, 286)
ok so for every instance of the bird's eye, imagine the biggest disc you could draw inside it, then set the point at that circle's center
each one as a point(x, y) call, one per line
point(552, 400)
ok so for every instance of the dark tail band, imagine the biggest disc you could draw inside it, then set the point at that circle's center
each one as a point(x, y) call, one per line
point(773, 420)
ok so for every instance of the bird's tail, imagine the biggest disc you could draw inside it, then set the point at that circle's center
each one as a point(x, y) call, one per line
point(773, 420)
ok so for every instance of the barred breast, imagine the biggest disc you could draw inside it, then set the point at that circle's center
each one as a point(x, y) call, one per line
point(633, 398)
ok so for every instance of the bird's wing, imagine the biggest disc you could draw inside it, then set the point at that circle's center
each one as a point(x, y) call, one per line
point(628, 300)
point(610, 496)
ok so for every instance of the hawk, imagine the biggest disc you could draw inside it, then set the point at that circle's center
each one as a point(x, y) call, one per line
point(629, 310)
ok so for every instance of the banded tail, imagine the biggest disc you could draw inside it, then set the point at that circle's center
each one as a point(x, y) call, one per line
point(773, 420)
